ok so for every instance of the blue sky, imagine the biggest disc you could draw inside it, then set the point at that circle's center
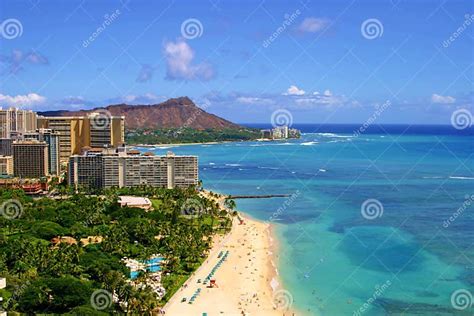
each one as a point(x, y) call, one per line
point(247, 60)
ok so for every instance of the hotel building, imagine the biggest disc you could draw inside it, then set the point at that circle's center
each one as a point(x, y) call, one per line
point(6, 165)
point(280, 132)
point(106, 131)
point(14, 121)
point(86, 171)
point(52, 139)
point(30, 159)
point(114, 168)
point(6, 146)
point(77, 132)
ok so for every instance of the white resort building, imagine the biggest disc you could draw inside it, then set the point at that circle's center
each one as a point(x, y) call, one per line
point(107, 168)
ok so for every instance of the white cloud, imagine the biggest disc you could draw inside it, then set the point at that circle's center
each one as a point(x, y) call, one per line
point(326, 93)
point(441, 99)
point(254, 100)
point(147, 98)
point(179, 61)
point(27, 100)
point(313, 25)
point(325, 99)
point(247, 100)
point(294, 90)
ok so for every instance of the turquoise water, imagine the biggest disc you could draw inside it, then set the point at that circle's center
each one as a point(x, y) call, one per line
point(153, 265)
point(408, 260)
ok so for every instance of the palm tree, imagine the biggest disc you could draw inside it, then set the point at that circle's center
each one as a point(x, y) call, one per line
point(230, 204)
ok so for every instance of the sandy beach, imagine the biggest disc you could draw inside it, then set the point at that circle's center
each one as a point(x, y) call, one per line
point(247, 279)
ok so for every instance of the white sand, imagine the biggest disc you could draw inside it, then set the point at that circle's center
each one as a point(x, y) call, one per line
point(245, 279)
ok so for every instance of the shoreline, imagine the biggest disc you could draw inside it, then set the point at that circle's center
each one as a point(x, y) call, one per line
point(248, 279)
point(211, 143)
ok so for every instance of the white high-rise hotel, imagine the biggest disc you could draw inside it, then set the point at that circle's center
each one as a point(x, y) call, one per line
point(15, 121)
point(117, 168)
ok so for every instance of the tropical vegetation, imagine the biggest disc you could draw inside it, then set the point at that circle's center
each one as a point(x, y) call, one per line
point(189, 135)
point(48, 276)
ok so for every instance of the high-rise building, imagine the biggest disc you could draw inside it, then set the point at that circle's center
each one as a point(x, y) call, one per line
point(52, 139)
point(280, 132)
point(182, 171)
point(76, 132)
point(106, 130)
point(71, 133)
point(6, 165)
point(14, 121)
point(110, 168)
point(6, 146)
point(86, 171)
point(30, 159)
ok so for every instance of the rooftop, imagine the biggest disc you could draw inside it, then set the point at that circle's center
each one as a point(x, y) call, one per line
point(138, 201)
point(123, 152)
point(29, 142)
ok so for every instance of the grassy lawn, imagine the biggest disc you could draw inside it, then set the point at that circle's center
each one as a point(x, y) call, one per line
point(172, 284)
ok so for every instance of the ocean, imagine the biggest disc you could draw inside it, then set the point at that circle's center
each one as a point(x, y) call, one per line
point(380, 223)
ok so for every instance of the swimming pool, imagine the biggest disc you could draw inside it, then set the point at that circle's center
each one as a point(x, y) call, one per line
point(152, 265)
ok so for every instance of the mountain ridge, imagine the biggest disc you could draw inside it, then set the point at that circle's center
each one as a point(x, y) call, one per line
point(172, 113)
